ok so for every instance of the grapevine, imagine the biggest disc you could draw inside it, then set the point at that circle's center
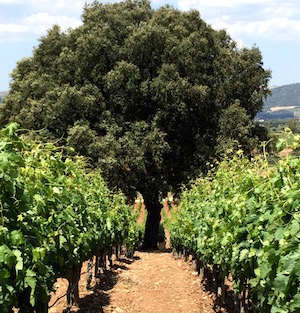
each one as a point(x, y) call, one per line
point(55, 214)
point(243, 219)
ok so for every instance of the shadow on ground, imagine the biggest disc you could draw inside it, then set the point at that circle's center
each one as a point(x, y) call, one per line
point(95, 302)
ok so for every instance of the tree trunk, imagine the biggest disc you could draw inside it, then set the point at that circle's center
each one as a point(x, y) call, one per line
point(89, 275)
point(73, 290)
point(24, 301)
point(41, 307)
point(153, 207)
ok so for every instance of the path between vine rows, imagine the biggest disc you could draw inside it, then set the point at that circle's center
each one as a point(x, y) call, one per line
point(150, 283)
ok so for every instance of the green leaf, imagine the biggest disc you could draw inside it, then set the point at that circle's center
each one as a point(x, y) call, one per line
point(38, 198)
point(281, 282)
point(295, 303)
point(289, 262)
point(277, 310)
point(11, 128)
point(279, 233)
point(19, 264)
point(17, 237)
point(62, 240)
point(38, 253)
point(56, 190)
point(13, 173)
point(4, 251)
point(4, 273)
point(265, 269)
point(280, 145)
point(295, 227)
point(252, 252)
point(30, 281)
point(108, 223)
point(244, 254)
point(257, 272)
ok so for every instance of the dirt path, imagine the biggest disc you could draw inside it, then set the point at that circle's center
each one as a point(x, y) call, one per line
point(151, 283)
point(156, 282)
point(142, 214)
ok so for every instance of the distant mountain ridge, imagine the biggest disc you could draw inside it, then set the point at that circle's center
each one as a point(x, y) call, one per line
point(2, 95)
point(283, 103)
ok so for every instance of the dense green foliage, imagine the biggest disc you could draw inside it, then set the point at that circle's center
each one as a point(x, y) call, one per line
point(244, 218)
point(294, 125)
point(54, 214)
point(140, 92)
point(276, 126)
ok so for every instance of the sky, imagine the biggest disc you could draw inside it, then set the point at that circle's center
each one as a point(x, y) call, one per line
point(272, 25)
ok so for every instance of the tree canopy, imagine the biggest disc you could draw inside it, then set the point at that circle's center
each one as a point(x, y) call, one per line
point(140, 92)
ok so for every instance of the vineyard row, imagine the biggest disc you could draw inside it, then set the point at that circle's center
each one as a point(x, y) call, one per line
point(242, 220)
point(54, 214)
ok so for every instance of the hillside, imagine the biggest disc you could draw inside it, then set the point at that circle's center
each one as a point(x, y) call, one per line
point(283, 103)
point(2, 95)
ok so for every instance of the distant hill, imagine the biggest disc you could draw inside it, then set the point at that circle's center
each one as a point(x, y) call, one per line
point(282, 104)
point(2, 95)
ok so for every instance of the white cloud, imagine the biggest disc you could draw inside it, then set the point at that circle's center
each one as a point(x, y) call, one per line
point(276, 29)
point(274, 20)
point(40, 22)
point(68, 7)
point(41, 15)
point(280, 11)
point(13, 28)
point(34, 26)
point(240, 43)
point(7, 1)
point(201, 4)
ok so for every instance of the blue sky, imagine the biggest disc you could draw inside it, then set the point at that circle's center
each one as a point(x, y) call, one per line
point(272, 25)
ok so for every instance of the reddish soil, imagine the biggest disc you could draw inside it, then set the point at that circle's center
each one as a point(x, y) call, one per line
point(151, 283)
point(140, 205)
point(285, 152)
point(142, 214)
